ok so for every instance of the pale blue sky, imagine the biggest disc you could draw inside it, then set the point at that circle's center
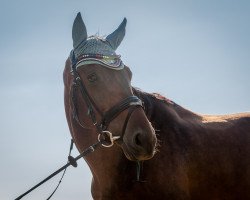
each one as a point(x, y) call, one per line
point(196, 53)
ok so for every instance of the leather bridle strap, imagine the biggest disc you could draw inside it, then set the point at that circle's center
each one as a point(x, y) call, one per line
point(88, 100)
point(108, 116)
point(130, 111)
point(132, 101)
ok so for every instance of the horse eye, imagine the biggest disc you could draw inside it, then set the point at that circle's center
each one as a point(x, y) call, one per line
point(92, 77)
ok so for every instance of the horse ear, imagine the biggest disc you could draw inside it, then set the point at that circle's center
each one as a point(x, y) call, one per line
point(117, 36)
point(79, 32)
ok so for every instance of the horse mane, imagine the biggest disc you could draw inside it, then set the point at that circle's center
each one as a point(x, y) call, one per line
point(154, 95)
point(171, 112)
point(150, 100)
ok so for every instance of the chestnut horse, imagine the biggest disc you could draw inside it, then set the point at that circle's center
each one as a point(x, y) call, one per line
point(199, 157)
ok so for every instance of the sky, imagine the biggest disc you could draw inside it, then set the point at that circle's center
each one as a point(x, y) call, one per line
point(195, 52)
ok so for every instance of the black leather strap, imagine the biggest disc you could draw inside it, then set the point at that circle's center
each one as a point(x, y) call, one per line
point(118, 108)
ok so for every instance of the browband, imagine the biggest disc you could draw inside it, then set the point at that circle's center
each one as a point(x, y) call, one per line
point(109, 61)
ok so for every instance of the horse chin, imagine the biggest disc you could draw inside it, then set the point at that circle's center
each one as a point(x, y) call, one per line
point(130, 156)
point(133, 155)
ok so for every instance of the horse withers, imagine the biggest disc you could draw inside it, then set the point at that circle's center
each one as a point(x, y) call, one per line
point(199, 156)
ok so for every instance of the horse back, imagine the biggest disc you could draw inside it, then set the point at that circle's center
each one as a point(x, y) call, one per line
point(220, 161)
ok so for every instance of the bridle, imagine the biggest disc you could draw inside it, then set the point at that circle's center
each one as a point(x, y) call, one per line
point(105, 137)
point(130, 103)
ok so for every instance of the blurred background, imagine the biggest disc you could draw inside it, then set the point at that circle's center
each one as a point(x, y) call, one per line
point(196, 53)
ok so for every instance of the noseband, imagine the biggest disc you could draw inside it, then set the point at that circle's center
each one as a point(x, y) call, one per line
point(130, 103)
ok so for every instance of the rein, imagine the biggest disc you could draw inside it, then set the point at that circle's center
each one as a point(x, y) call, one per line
point(71, 161)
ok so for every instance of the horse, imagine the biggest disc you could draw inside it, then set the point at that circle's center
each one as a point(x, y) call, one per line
point(157, 149)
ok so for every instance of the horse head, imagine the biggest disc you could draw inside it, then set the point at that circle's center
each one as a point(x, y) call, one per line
point(102, 96)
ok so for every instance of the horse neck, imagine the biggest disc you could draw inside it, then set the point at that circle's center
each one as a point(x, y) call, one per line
point(174, 125)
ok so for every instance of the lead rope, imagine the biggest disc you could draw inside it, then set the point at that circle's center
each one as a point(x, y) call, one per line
point(74, 164)
point(71, 161)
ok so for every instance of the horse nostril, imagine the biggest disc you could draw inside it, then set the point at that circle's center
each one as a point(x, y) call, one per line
point(142, 145)
point(138, 140)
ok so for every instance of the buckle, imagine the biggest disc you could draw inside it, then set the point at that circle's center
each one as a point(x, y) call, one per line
point(108, 139)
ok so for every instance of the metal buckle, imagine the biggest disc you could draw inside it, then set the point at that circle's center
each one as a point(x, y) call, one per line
point(110, 137)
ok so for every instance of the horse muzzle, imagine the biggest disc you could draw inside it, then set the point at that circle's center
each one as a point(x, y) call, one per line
point(141, 146)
